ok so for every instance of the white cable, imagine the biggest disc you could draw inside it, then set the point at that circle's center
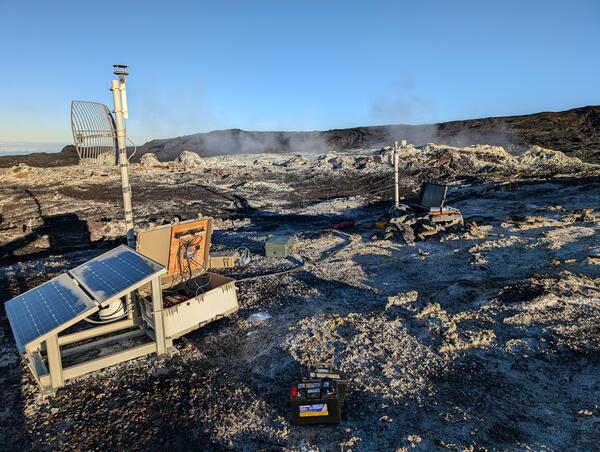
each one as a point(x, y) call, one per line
point(203, 286)
point(134, 149)
point(244, 256)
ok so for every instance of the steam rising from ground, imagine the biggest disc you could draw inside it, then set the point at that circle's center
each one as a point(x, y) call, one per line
point(225, 142)
point(498, 134)
point(242, 142)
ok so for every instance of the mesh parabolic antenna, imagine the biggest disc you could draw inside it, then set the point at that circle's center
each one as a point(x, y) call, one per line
point(94, 133)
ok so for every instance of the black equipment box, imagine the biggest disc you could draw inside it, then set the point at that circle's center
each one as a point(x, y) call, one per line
point(319, 397)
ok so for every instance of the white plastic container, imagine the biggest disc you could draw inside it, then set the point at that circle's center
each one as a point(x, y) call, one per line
point(211, 296)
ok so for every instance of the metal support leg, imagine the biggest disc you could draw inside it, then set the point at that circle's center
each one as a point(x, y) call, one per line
point(157, 310)
point(129, 305)
point(54, 362)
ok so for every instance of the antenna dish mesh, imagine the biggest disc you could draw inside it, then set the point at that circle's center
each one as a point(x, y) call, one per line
point(94, 133)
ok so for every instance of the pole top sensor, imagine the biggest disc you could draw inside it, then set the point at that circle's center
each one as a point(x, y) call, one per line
point(120, 69)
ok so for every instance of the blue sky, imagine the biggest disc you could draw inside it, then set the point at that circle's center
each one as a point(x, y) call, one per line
point(283, 65)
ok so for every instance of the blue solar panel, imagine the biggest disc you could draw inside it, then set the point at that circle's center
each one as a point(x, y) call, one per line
point(39, 311)
point(113, 272)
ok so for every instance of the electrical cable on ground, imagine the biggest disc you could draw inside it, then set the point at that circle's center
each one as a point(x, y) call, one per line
point(302, 264)
point(282, 272)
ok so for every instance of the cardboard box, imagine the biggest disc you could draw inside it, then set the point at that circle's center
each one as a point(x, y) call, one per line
point(224, 259)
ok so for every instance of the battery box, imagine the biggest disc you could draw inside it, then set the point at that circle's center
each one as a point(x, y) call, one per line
point(316, 402)
point(319, 397)
point(321, 371)
point(279, 246)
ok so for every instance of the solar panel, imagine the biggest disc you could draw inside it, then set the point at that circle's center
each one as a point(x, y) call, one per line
point(114, 272)
point(34, 314)
point(432, 195)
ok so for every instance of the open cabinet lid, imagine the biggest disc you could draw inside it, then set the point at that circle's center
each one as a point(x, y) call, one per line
point(180, 247)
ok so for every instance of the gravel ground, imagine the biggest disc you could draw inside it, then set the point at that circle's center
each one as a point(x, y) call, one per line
point(483, 338)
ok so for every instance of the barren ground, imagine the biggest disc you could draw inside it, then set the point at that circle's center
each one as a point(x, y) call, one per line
point(483, 338)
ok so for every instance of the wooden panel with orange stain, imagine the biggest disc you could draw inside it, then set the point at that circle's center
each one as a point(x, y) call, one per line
point(189, 248)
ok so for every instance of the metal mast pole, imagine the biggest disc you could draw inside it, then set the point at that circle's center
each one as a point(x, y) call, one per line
point(396, 177)
point(120, 101)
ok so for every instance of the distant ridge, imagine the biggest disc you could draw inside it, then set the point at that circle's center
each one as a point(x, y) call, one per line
point(68, 156)
point(575, 132)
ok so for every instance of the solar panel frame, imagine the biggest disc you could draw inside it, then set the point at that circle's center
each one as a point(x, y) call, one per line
point(116, 273)
point(46, 310)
